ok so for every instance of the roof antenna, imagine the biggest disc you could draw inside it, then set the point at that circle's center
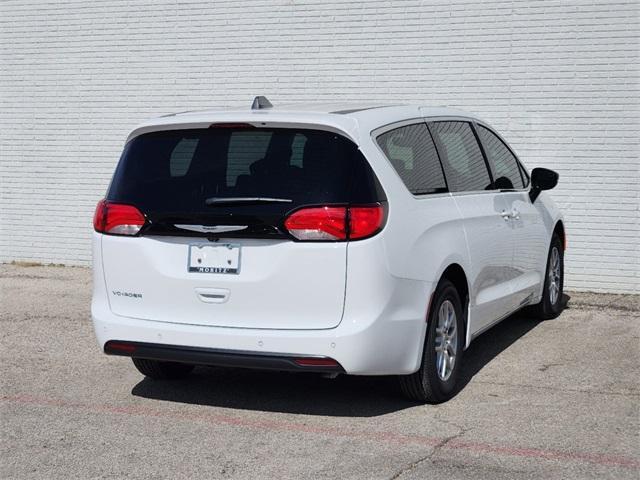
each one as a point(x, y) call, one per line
point(260, 102)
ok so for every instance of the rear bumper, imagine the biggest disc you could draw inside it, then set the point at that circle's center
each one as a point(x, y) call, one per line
point(222, 358)
point(385, 339)
point(381, 333)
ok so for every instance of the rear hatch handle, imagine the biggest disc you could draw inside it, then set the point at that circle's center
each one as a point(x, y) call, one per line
point(213, 295)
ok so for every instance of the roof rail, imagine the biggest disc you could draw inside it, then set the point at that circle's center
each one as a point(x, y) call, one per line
point(260, 102)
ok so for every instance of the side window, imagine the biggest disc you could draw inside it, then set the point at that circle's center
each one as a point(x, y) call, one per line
point(413, 154)
point(525, 175)
point(462, 158)
point(181, 156)
point(506, 172)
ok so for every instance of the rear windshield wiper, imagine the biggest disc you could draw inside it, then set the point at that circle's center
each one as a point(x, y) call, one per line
point(244, 200)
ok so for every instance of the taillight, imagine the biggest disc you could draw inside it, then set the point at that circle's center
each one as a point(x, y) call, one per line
point(117, 219)
point(365, 221)
point(318, 223)
point(335, 223)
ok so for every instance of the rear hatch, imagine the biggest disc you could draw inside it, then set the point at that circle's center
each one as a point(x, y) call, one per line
point(214, 249)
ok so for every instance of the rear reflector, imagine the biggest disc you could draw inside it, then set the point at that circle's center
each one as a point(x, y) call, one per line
point(119, 348)
point(117, 219)
point(335, 223)
point(316, 362)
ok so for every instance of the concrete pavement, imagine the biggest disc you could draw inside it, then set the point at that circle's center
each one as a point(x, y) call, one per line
point(555, 399)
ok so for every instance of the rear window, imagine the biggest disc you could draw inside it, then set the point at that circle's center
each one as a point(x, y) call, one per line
point(175, 172)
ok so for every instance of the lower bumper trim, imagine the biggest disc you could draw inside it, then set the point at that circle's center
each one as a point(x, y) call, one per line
point(222, 358)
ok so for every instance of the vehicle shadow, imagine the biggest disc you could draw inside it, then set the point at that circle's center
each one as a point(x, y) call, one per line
point(312, 394)
point(497, 339)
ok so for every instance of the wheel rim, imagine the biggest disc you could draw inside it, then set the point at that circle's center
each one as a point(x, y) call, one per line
point(554, 276)
point(446, 340)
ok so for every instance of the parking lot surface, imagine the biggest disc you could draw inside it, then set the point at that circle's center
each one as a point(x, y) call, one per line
point(554, 399)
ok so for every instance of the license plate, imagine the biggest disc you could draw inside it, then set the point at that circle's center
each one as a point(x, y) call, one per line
point(223, 258)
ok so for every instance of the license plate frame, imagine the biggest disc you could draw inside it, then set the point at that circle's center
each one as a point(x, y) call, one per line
point(224, 258)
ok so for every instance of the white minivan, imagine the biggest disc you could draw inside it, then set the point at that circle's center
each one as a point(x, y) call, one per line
point(331, 239)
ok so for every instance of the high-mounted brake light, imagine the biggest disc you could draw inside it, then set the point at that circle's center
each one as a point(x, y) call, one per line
point(335, 223)
point(117, 219)
point(231, 125)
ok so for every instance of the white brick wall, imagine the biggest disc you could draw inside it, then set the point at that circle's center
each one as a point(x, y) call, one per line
point(558, 78)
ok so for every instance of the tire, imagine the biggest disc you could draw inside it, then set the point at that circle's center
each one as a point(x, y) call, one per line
point(158, 370)
point(551, 303)
point(433, 383)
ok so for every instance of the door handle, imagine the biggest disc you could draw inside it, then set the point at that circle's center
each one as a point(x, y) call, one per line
point(505, 215)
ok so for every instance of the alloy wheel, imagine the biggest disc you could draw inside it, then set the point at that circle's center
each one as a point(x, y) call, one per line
point(446, 340)
point(554, 276)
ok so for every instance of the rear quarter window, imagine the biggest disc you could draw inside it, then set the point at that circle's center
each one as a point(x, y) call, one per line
point(413, 155)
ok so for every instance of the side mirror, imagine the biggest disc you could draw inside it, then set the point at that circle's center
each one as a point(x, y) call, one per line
point(542, 179)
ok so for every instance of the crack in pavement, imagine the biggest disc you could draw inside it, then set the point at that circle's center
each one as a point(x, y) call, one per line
point(547, 366)
point(437, 443)
point(586, 305)
point(435, 450)
point(558, 389)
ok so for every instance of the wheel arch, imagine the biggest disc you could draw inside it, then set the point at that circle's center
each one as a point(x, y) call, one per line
point(560, 231)
point(457, 276)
